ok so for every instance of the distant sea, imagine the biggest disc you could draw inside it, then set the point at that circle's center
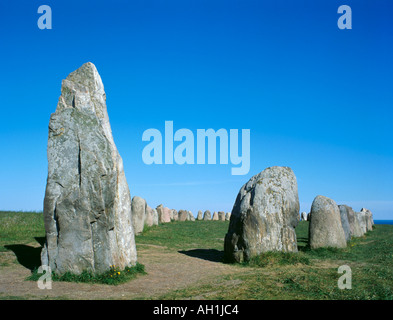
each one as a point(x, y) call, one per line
point(383, 221)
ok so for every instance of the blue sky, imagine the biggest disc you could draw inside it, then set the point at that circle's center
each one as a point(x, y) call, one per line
point(316, 98)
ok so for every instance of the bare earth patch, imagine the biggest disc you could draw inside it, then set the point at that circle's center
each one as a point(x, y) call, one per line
point(166, 271)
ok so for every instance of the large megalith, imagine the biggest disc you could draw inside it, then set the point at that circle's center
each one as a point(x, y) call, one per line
point(325, 229)
point(87, 206)
point(264, 216)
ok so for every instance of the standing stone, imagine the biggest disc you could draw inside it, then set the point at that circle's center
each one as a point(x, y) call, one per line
point(304, 216)
point(183, 215)
point(369, 219)
point(138, 209)
point(190, 216)
point(221, 215)
point(175, 215)
point(325, 229)
point(227, 216)
point(215, 216)
point(149, 218)
point(87, 206)
point(164, 214)
point(207, 215)
point(354, 225)
point(200, 215)
point(264, 216)
point(155, 217)
point(362, 219)
point(345, 222)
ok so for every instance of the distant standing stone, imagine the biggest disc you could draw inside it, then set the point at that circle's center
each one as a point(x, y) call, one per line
point(304, 216)
point(164, 214)
point(183, 215)
point(200, 215)
point(227, 216)
point(354, 225)
point(325, 229)
point(345, 222)
point(221, 215)
point(138, 209)
point(264, 216)
point(215, 216)
point(207, 215)
point(151, 218)
point(190, 216)
point(175, 215)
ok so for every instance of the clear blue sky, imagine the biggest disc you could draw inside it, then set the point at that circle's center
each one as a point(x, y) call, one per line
point(316, 98)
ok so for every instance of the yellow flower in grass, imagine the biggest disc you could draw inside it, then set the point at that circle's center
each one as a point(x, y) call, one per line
point(118, 273)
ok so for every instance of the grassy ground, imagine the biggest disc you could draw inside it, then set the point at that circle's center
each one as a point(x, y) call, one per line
point(308, 274)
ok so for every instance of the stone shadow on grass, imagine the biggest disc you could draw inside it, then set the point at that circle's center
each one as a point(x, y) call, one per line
point(205, 254)
point(27, 256)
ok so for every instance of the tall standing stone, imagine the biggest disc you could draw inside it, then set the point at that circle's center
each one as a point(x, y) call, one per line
point(304, 216)
point(264, 216)
point(215, 216)
point(227, 216)
point(183, 215)
point(200, 215)
point(325, 229)
point(87, 206)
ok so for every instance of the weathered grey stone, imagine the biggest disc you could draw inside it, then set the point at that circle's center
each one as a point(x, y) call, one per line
point(362, 220)
point(221, 215)
point(215, 216)
point(175, 215)
point(183, 215)
point(151, 217)
point(304, 216)
point(164, 214)
point(87, 206)
point(138, 209)
point(345, 222)
point(207, 215)
point(325, 229)
point(227, 216)
point(264, 216)
point(190, 216)
point(200, 215)
point(354, 225)
point(369, 219)
point(155, 217)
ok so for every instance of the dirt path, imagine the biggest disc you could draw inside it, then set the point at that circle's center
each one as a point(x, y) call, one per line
point(166, 271)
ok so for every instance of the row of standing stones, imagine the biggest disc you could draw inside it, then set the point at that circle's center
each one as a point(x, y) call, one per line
point(266, 213)
point(143, 215)
point(91, 221)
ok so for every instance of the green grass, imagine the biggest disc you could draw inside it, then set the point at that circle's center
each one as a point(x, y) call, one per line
point(20, 228)
point(113, 276)
point(308, 274)
point(184, 235)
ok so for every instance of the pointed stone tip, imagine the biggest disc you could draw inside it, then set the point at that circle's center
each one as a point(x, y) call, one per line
point(88, 76)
